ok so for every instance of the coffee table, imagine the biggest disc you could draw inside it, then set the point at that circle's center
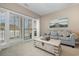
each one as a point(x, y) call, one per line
point(52, 46)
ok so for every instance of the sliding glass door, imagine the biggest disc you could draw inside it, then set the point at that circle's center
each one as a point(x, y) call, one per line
point(2, 25)
point(27, 28)
point(17, 26)
point(30, 28)
point(14, 26)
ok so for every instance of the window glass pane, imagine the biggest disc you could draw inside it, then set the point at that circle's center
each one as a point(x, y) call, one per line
point(2, 25)
point(17, 26)
point(14, 26)
point(30, 28)
point(26, 29)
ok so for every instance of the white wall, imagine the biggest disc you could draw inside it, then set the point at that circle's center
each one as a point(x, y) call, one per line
point(72, 13)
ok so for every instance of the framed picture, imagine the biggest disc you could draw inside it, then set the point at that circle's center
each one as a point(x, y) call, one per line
point(59, 23)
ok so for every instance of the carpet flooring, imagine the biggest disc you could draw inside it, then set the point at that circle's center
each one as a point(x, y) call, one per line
point(28, 49)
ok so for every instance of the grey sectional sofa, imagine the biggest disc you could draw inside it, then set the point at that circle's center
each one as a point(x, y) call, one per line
point(66, 37)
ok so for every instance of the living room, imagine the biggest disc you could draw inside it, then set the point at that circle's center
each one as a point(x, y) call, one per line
point(55, 23)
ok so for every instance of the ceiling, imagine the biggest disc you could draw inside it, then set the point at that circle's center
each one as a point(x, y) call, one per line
point(45, 8)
